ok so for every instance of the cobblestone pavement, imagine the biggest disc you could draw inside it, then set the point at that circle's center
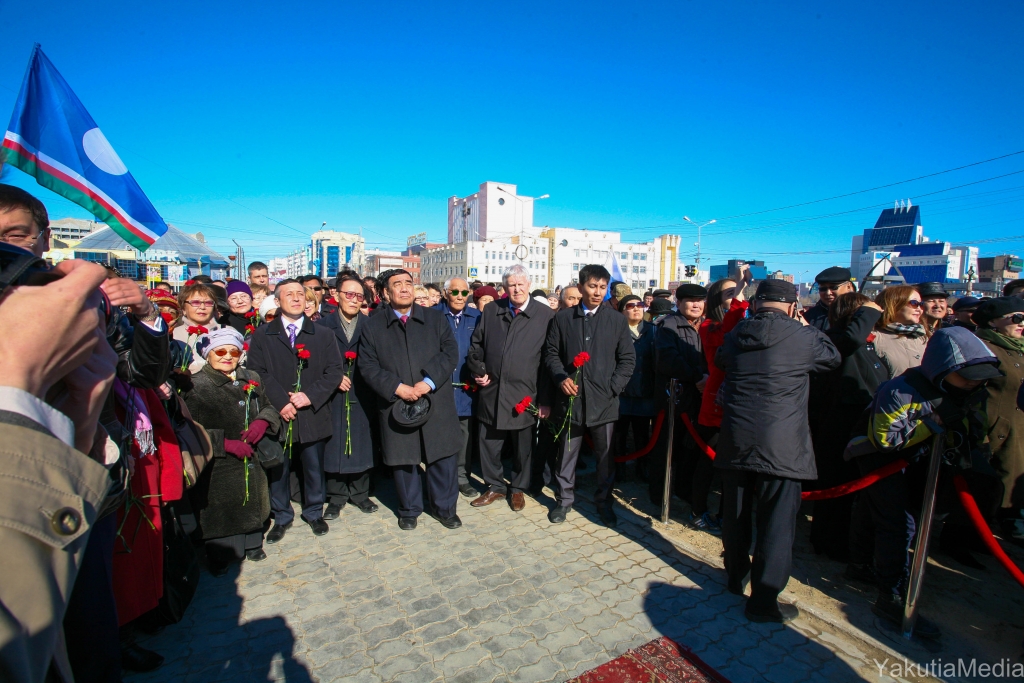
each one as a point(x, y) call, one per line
point(508, 597)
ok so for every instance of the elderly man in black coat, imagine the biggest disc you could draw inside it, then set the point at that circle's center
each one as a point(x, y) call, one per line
point(764, 450)
point(407, 355)
point(274, 354)
point(348, 457)
point(589, 392)
point(505, 359)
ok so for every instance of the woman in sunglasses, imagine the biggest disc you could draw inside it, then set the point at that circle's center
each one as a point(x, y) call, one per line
point(198, 308)
point(900, 338)
point(1001, 326)
point(233, 507)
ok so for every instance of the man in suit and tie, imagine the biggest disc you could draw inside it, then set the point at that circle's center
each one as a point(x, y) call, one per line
point(274, 355)
point(505, 359)
point(591, 389)
point(407, 354)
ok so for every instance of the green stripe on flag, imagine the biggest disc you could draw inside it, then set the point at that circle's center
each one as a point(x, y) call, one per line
point(72, 193)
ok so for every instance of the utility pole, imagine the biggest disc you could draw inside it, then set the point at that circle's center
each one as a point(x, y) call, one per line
point(700, 226)
point(239, 260)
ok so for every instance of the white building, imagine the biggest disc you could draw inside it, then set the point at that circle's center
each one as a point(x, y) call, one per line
point(335, 251)
point(378, 261)
point(493, 212)
point(299, 262)
point(72, 229)
point(277, 268)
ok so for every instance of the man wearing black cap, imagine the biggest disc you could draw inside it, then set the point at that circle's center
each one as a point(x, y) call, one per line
point(764, 450)
point(1014, 288)
point(679, 354)
point(831, 283)
point(963, 309)
point(933, 296)
point(407, 355)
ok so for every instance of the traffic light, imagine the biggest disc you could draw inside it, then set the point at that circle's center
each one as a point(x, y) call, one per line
point(691, 271)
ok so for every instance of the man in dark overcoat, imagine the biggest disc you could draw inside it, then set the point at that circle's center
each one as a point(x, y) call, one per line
point(274, 354)
point(505, 359)
point(408, 352)
point(348, 457)
point(602, 333)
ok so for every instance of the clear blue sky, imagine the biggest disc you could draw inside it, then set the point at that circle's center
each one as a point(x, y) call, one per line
point(372, 114)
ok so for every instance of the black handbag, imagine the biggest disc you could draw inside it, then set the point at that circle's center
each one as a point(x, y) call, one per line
point(270, 453)
point(181, 571)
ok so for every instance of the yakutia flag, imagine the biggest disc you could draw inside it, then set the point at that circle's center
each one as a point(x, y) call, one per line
point(52, 137)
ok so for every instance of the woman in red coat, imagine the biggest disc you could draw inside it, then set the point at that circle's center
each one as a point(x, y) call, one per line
point(725, 307)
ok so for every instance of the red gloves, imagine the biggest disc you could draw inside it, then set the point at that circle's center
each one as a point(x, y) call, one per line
point(239, 449)
point(255, 432)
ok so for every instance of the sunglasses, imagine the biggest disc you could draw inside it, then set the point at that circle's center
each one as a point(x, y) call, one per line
point(353, 295)
point(633, 305)
point(317, 289)
point(196, 303)
point(459, 292)
point(1016, 318)
point(233, 352)
point(829, 288)
point(269, 316)
point(915, 303)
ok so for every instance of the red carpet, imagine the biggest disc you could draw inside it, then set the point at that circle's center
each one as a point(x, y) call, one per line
point(659, 661)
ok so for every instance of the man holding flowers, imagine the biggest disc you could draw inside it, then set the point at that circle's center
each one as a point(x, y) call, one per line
point(589, 354)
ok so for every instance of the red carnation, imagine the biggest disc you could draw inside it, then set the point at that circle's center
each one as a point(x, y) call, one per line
point(520, 407)
point(245, 346)
point(251, 314)
point(250, 329)
point(300, 346)
point(527, 401)
point(189, 283)
point(303, 354)
point(350, 355)
point(197, 329)
point(581, 358)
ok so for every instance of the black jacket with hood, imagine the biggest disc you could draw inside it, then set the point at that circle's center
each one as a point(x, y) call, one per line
point(767, 361)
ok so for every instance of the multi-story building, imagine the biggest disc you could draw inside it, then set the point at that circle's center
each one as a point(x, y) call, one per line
point(495, 211)
point(779, 275)
point(277, 268)
point(72, 229)
point(299, 262)
point(995, 271)
point(378, 261)
point(732, 266)
point(335, 251)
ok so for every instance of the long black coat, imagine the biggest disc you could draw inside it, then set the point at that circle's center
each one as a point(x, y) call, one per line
point(391, 354)
point(218, 403)
point(679, 354)
point(606, 338)
point(510, 350)
point(640, 396)
point(273, 358)
point(767, 361)
point(362, 403)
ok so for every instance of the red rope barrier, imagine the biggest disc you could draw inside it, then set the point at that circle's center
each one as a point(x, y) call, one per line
point(967, 500)
point(708, 451)
point(658, 421)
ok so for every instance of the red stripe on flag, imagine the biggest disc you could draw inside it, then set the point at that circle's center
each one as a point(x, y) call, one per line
point(63, 177)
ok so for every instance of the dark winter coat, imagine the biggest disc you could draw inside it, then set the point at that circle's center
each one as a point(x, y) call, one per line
point(605, 336)
point(463, 335)
point(510, 350)
point(273, 358)
point(218, 403)
point(362, 403)
point(639, 398)
point(767, 361)
point(1006, 424)
point(391, 354)
point(679, 354)
point(817, 316)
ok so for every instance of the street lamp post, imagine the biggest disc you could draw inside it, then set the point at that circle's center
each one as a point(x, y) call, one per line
point(522, 229)
point(697, 243)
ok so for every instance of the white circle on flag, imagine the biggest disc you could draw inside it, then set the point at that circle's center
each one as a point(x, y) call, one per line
point(101, 153)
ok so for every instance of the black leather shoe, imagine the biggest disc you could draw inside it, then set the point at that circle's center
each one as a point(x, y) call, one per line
point(139, 659)
point(319, 527)
point(366, 506)
point(469, 491)
point(607, 516)
point(557, 516)
point(333, 511)
point(218, 570)
point(277, 533)
point(255, 555)
point(452, 522)
point(406, 523)
point(779, 614)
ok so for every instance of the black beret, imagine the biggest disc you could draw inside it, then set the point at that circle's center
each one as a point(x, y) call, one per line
point(833, 274)
point(988, 311)
point(688, 290)
point(659, 306)
point(966, 302)
point(626, 299)
point(777, 290)
point(931, 289)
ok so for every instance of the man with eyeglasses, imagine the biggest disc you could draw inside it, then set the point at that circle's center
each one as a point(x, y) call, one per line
point(23, 220)
point(273, 355)
point(463, 321)
point(831, 283)
point(505, 359)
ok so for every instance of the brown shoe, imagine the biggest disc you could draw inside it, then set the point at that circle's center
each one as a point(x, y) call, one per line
point(518, 501)
point(487, 499)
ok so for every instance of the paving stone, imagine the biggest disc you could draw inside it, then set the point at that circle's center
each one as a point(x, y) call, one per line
point(547, 669)
point(455, 662)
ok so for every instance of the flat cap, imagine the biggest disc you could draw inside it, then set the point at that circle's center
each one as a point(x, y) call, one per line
point(834, 274)
point(778, 290)
point(927, 289)
point(966, 302)
point(662, 293)
point(688, 290)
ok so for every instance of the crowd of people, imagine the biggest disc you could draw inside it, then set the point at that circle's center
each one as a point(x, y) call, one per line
point(145, 422)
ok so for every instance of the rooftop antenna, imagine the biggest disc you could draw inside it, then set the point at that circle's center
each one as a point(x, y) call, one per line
point(908, 204)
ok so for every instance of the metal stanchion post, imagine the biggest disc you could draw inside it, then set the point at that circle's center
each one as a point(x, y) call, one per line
point(924, 528)
point(670, 417)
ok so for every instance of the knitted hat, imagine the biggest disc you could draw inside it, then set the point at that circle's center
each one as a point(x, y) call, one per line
point(626, 299)
point(236, 286)
point(225, 336)
point(486, 290)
